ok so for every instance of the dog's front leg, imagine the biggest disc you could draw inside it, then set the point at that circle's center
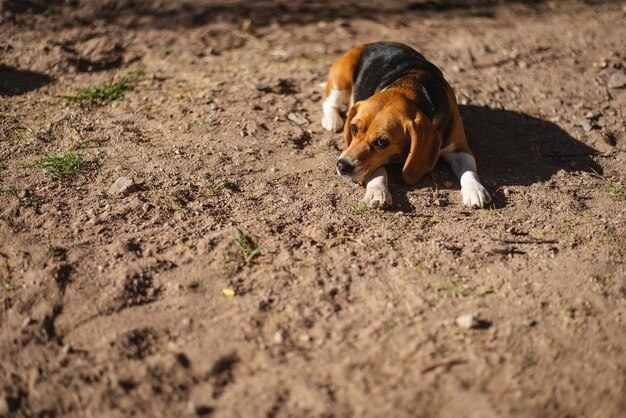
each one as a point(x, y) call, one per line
point(464, 167)
point(376, 190)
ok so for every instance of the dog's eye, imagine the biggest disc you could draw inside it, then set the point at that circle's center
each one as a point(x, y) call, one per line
point(381, 142)
point(354, 129)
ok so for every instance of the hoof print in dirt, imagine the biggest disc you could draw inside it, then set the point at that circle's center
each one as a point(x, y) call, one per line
point(286, 87)
point(137, 344)
point(137, 289)
point(221, 374)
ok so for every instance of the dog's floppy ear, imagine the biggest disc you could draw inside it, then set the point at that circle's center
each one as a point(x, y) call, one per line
point(424, 150)
point(346, 127)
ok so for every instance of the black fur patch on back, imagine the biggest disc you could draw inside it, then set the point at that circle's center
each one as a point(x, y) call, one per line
point(383, 64)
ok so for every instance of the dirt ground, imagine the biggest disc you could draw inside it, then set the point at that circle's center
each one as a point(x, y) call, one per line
point(140, 301)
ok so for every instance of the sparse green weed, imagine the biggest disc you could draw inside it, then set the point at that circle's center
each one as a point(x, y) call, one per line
point(461, 290)
point(64, 165)
point(11, 129)
point(423, 222)
point(176, 204)
point(13, 191)
point(101, 93)
point(217, 188)
point(538, 234)
point(197, 123)
point(164, 50)
point(586, 214)
point(136, 73)
point(248, 248)
point(617, 193)
point(618, 239)
point(360, 209)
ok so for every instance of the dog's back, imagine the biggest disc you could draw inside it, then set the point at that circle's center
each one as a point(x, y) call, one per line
point(382, 63)
point(385, 64)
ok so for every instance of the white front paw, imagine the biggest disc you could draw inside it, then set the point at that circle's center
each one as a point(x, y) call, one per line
point(377, 197)
point(475, 195)
point(331, 121)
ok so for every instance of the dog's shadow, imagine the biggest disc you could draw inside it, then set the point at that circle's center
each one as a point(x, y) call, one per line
point(511, 149)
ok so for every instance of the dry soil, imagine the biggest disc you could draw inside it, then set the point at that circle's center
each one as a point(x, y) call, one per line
point(141, 302)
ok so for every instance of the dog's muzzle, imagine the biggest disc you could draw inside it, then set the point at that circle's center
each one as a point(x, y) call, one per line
point(344, 167)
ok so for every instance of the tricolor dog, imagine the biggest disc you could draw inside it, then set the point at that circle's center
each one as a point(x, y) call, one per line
point(402, 110)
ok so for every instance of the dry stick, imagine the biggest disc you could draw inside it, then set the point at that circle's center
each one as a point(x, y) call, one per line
point(441, 363)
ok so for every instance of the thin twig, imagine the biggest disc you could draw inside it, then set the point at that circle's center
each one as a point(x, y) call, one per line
point(442, 363)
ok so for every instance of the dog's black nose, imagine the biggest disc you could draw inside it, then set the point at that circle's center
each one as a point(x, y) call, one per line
point(344, 167)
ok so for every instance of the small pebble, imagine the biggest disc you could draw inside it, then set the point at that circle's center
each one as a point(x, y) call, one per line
point(26, 322)
point(530, 322)
point(441, 202)
point(146, 207)
point(467, 321)
point(297, 118)
point(278, 337)
point(617, 80)
point(123, 186)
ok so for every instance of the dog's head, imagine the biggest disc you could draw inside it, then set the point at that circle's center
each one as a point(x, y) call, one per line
point(384, 128)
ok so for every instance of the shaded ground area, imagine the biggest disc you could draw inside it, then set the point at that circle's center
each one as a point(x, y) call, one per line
point(174, 240)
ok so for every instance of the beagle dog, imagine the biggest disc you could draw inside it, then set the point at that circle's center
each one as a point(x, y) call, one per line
point(402, 110)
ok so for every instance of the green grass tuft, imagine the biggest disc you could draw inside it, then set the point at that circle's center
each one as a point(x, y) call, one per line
point(616, 193)
point(176, 204)
point(248, 249)
point(64, 165)
point(360, 208)
point(217, 188)
point(101, 93)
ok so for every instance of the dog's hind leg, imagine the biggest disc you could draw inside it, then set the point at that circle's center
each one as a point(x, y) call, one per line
point(338, 89)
